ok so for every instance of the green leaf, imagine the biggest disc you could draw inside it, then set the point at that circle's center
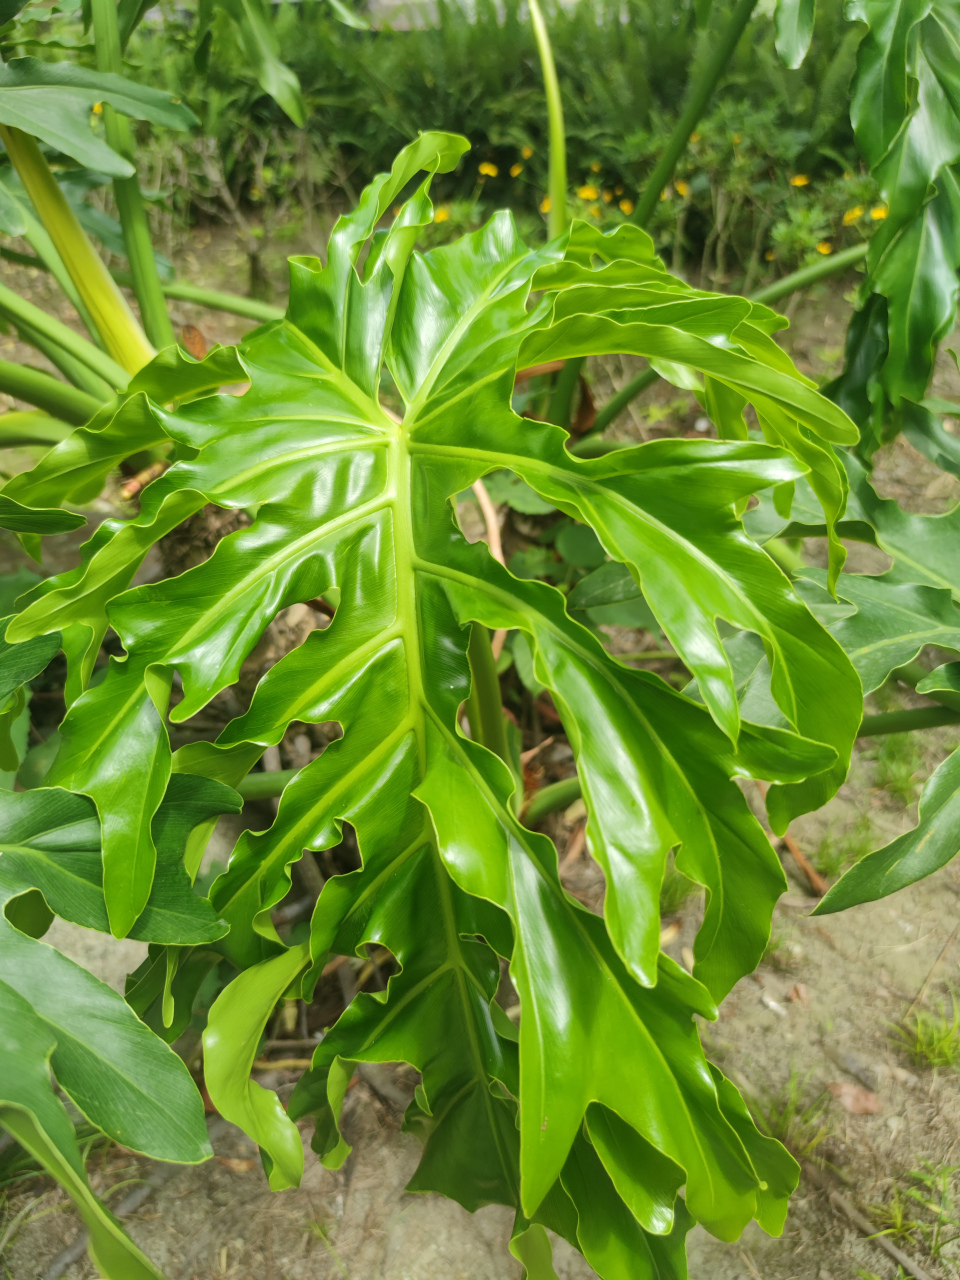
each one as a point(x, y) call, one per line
point(122, 1077)
point(794, 19)
point(53, 101)
point(35, 1116)
point(230, 1043)
point(349, 504)
point(892, 623)
point(27, 520)
point(503, 486)
point(928, 847)
point(21, 662)
point(905, 112)
point(51, 842)
point(945, 679)
point(262, 50)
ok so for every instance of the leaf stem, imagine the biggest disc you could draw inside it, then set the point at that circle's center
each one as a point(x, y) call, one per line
point(907, 721)
point(557, 181)
point(266, 785)
point(133, 215)
point(558, 795)
point(701, 92)
point(484, 707)
point(832, 265)
point(616, 404)
point(60, 335)
point(115, 322)
point(38, 388)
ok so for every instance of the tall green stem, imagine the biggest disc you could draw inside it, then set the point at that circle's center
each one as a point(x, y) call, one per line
point(115, 322)
point(557, 183)
point(701, 92)
point(484, 707)
point(133, 215)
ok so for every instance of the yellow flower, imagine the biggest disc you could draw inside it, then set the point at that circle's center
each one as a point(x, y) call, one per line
point(488, 170)
point(607, 196)
point(587, 192)
point(694, 137)
point(852, 215)
point(618, 191)
point(878, 211)
point(441, 215)
point(595, 210)
point(736, 139)
point(516, 170)
point(98, 108)
point(545, 204)
point(666, 193)
point(626, 206)
point(683, 188)
point(799, 180)
point(595, 168)
point(396, 211)
point(770, 255)
point(526, 152)
point(824, 247)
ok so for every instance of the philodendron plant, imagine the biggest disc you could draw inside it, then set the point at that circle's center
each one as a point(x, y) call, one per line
point(590, 1116)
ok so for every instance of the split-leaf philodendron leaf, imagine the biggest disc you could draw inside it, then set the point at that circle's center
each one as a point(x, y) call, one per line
point(589, 1117)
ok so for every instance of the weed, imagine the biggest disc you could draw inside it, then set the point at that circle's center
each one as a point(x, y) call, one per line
point(792, 1116)
point(840, 849)
point(898, 761)
point(930, 1039)
point(924, 1213)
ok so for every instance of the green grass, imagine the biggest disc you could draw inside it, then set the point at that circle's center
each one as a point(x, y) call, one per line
point(922, 1213)
point(930, 1039)
point(899, 760)
point(794, 1115)
point(842, 847)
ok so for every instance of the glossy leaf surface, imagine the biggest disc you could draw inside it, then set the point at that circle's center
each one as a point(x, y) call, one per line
point(353, 498)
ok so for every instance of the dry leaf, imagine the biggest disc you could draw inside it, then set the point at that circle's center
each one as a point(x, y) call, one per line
point(856, 1099)
point(236, 1165)
point(799, 992)
point(193, 341)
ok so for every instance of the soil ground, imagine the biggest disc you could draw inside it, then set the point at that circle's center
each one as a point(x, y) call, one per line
point(817, 1014)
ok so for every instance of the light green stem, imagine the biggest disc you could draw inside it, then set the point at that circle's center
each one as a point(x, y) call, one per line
point(114, 321)
point(29, 427)
point(701, 92)
point(832, 265)
point(38, 388)
point(557, 182)
point(133, 215)
point(215, 300)
point(59, 335)
point(559, 795)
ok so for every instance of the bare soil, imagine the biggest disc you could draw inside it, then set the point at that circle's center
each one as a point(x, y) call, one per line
point(818, 1013)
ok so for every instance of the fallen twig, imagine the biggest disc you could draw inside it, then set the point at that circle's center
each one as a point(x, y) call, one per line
point(574, 848)
point(489, 512)
point(527, 756)
point(814, 878)
point(864, 1224)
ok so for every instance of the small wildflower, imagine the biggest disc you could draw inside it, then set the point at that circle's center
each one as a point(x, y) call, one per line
point(595, 210)
point(441, 215)
point(607, 196)
point(595, 167)
point(587, 192)
point(852, 215)
point(516, 170)
point(736, 139)
point(683, 188)
point(878, 212)
point(545, 204)
point(618, 191)
point(98, 108)
point(770, 255)
point(488, 170)
point(824, 247)
point(396, 211)
point(799, 180)
point(694, 137)
point(626, 206)
point(666, 193)
point(526, 152)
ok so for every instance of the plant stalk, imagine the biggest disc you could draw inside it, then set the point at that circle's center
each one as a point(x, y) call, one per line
point(557, 181)
point(700, 94)
point(561, 397)
point(907, 721)
point(558, 795)
point(484, 707)
point(832, 265)
point(31, 427)
point(130, 206)
point(616, 404)
point(56, 398)
point(115, 322)
point(55, 332)
point(213, 299)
